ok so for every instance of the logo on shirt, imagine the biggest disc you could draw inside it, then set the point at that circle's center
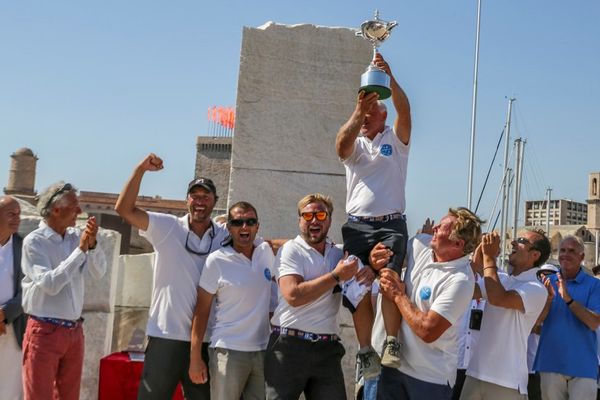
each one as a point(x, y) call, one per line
point(386, 150)
point(425, 293)
point(268, 275)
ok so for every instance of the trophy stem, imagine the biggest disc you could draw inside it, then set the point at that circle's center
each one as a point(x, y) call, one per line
point(375, 52)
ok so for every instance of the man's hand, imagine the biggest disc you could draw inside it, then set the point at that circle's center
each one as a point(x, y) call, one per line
point(84, 241)
point(490, 245)
point(91, 228)
point(345, 269)
point(477, 260)
point(198, 371)
point(562, 288)
point(365, 276)
point(428, 227)
point(390, 284)
point(151, 163)
point(365, 102)
point(548, 284)
point(380, 62)
point(380, 256)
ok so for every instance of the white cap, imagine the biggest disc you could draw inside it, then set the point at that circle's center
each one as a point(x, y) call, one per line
point(549, 268)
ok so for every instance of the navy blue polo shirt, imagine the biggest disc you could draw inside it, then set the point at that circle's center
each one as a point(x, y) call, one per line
point(567, 346)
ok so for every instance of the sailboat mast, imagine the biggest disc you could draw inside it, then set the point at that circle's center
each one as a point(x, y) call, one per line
point(474, 109)
point(519, 151)
point(505, 185)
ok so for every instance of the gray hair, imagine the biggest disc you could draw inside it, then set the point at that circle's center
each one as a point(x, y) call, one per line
point(382, 106)
point(577, 241)
point(53, 196)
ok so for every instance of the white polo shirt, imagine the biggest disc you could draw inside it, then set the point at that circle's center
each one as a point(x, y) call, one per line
point(447, 289)
point(296, 257)
point(176, 273)
point(376, 175)
point(242, 291)
point(501, 353)
point(467, 337)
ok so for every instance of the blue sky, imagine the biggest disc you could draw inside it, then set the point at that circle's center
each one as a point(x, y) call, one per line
point(92, 87)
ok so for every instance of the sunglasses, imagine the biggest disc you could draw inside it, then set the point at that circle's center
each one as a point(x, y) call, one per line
point(320, 215)
point(522, 240)
point(241, 221)
point(64, 188)
point(200, 253)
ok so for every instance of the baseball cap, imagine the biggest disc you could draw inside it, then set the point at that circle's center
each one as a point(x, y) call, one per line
point(203, 183)
point(546, 269)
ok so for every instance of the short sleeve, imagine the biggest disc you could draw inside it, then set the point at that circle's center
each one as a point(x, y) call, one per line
point(454, 299)
point(289, 261)
point(159, 227)
point(209, 280)
point(593, 302)
point(533, 297)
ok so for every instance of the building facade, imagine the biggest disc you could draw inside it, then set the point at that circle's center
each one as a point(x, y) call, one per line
point(562, 212)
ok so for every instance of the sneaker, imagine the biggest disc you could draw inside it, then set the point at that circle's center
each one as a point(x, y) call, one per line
point(369, 363)
point(391, 353)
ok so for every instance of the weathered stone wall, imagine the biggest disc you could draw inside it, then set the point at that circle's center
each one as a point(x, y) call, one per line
point(213, 160)
point(297, 85)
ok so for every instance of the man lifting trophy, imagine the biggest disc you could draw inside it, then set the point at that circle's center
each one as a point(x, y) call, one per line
point(375, 79)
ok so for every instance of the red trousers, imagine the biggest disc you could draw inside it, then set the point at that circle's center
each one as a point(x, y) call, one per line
point(52, 361)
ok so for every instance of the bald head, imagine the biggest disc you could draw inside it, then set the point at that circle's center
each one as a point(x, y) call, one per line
point(10, 217)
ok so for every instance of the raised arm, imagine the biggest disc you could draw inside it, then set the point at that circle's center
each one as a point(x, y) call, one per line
point(298, 292)
point(402, 123)
point(126, 203)
point(344, 141)
point(497, 295)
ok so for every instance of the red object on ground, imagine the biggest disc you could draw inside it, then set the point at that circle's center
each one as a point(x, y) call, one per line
point(120, 378)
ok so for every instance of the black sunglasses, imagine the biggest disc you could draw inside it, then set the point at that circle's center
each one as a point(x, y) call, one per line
point(200, 253)
point(522, 240)
point(64, 188)
point(241, 221)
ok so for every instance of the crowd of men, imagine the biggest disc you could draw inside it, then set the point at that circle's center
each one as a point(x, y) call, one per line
point(235, 316)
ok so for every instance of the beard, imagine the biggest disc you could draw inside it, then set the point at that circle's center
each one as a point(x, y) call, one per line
point(314, 238)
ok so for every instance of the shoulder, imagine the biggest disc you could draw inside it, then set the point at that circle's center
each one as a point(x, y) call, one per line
point(161, 219)
point(34, 237)
point(392, 137)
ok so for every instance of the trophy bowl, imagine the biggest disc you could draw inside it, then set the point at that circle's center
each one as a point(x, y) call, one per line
point(375, 79)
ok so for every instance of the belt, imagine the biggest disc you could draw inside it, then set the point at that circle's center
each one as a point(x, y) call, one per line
point(313, 337)
point(383, 218)
point(65, 323)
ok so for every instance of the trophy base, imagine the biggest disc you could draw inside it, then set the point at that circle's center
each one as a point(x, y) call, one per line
point(376, 81)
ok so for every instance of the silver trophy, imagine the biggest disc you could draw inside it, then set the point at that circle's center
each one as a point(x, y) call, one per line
point(375, 79)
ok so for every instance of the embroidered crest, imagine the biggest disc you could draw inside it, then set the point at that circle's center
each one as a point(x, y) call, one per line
point(386, 150)
point(267, 273)
point(425, 293)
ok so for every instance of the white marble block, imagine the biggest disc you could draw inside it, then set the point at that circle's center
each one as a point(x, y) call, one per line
point(134, 280)
point(100, 294)
point(97, 328)
point(297, 85)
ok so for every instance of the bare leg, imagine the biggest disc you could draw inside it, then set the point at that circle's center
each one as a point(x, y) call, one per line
point(363, 319)
point(391, 317)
